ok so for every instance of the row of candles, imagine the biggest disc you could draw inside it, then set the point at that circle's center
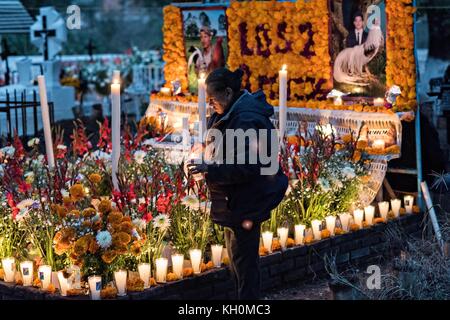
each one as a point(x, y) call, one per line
point(120, 276)
point(377, 102)
point(359, 216)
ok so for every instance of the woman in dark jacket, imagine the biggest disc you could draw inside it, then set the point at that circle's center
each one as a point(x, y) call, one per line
point(242, 193)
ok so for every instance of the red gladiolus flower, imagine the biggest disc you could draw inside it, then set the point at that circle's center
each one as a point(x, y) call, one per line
point(12, 205)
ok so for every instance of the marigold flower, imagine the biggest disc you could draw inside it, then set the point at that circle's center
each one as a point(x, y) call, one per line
point(109, 292)
point(89, 213)
point(209, 265)
point(81, 246)
point(2, 274)
point(325, 234)
point(152, 282)
point(416, 209)
point(104, 206)
point(126, 227)
point(262, 251)
point(115, 217)
point(347, 138)
point(75, 213)
point(354, 227)
point(76, 192)
point(276, 246)
point(135, 248)
point(378, 220)
point(109, 256)
point(226, 260)
point(290, 243)
point(135, 284)
point(338, 231)
point(67, 200)
point(402, 211)
point(51, 289)
point(309, 239)
point(171, 277)
point(356, 156)
point(95, 178)
point(188, 272)
point(361, 144)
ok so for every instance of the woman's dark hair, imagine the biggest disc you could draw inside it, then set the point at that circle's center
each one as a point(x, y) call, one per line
point(222, 78)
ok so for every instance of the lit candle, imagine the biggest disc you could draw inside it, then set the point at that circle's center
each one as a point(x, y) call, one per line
point(358, 216)
point(120, 278)
point(63, 283)
point(331, 224)
point(216, 252)
point(299, 233)
point(283, 75)
point(369, 213)
point(177, 265)
point(384, 209)
point(95, 287)
point(267, 237)
point(46, 122)
point(115, 129)
point(338, 101)
point(282, 236)
point(165, 91)
point(379, 144)
point(408, 201)
point(9, 267)
point(378, 102)
point(45, 276)
point(161, 270)
point(196, 259)
point(315, 225)
point(186, 134)
point(345, 220)
point(26, 267)
point(144, 273)
point(202, 105)
point(396, 205)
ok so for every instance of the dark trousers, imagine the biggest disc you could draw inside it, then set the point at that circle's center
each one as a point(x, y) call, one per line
point(243, 252)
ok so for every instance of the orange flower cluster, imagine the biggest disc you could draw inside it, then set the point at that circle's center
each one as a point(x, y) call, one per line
point(175, 67)
point(325, 234)
point(109, 292)
point(181, 98)
point(283, 30)
point(400, 63)
point(188, 272)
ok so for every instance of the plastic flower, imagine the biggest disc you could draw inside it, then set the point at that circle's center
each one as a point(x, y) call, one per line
point(33, 142)
point(324, 184)
point(348, 173)
point(191, 202)
point(7, 151)
point(140, 224)
point(139, 156)
point(161, 221)
point(25, 204)
point(104, 239)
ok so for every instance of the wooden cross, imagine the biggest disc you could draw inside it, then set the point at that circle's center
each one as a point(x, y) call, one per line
point(4, 55)
point(45, 33)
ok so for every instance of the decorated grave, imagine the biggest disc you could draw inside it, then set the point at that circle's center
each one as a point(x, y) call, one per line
point(123, 219)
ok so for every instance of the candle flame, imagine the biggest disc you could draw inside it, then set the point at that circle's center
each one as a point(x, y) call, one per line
point(284, 68)
point(202, 75)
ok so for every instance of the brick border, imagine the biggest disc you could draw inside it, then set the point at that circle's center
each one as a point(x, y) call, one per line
point(278, 269)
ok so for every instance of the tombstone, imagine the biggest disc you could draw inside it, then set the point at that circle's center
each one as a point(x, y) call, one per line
point(24, 70)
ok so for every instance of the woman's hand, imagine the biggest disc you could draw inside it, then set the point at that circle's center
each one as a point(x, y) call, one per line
point(195, 168)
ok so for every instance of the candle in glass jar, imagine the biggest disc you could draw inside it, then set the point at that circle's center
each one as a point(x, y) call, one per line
point(396, 205)
point(165, 91)
point(344, 218)
point(144, 273)
point(216, 253)
point(379, 144)
point(338, 101)
point(283, 74)
point(384, 209)
point(9, 267)
point(115, 131)
point(95, 287)
point(378, 102)
point(64, 284)
point(26, 267)
point(315, 225)
point(177, 265)
point(196, 259)
point(283, 236)
point(358, 216)
point(409, 202)
point(331, 224)
point(161, 270)
point(45, 276)
point(299, 233)
point(267, 237)
point(369, 213)
point(120, 278)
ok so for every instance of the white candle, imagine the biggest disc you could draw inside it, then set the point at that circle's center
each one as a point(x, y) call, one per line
point(378, 102)
point(299, 233)
point(315, 225)
point(338, 101)
point(165, 91)
point(283, 236)
point(9, 267)
point(409, 202)
point(46, 122)
point(358, 216)
point(396, 205)
point(331, 224)
point(384, 209)
point(116, 76)
point(267, 237)
point(63, 283)
point(26, 267)
point(369, 213)
point(144, 273)
point(202, 105)
point(186, 134)
point(95, 287)
point(120, 278)
point(161, 270)
point(216, 252)
point(283, 75)
point(45, 276)
point(196, 259)
point(115, 129)
point(379, 144)
point(177, 265)
point(345, 221)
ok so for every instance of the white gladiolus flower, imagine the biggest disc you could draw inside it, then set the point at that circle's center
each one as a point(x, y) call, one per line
point(348, 173)
point(33, 142)
point(148, 142)
point(61, 147)
point(139, 223)
point(8, 151)
point(161, 221)
point(139, 156)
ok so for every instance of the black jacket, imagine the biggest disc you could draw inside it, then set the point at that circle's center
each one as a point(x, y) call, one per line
point(240, 191)
point(351, 39)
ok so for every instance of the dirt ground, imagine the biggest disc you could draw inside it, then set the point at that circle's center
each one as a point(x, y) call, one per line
point(318, 290)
